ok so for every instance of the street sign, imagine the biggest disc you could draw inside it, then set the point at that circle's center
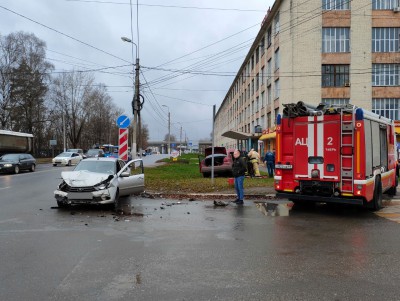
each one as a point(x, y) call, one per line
point(53, 142)
point(123, 122)
point(174, 154)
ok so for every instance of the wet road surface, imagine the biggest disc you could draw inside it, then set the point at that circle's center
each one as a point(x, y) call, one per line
point(157, 249)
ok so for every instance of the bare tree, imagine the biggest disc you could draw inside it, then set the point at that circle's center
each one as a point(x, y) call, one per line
point(73, 93)
point(24, 75)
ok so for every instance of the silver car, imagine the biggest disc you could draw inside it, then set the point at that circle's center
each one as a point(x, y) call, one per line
point(67, 158)
point(100, 181)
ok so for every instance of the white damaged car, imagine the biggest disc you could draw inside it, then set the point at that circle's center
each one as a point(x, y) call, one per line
point(100, 181)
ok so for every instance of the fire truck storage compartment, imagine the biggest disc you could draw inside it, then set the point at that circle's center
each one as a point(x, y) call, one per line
point(376, 146)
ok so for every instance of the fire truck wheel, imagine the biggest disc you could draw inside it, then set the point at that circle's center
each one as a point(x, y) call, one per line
point(377, 200)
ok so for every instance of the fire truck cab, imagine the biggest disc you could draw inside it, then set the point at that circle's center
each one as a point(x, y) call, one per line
point(338, 154)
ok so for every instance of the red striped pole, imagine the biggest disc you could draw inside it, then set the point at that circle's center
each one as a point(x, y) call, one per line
point(123, 144)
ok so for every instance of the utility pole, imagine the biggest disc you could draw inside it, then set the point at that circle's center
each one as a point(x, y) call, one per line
point(136, 112)
point(135, 101)
point(169, 132)
point(169, 129)
point(180, 142)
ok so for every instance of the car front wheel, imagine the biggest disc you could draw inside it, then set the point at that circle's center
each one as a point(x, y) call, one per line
point(16, 169)
point(32, 169)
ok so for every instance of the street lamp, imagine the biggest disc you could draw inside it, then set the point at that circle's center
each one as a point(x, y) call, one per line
point(169, 129)
point(135, 101)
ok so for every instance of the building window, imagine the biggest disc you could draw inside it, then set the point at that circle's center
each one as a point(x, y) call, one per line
point(385, 74)
point(269, 69)
point(269, 95)
point(385, 39)
point(277, 89)
point(262, 47)
point(335, 76)
point(335, 101)
point(385, 4)
point(257, 104)
point(257, 81)
point(257, 55)
point(269, 121)
point(262, 99)
point(269, 39)
point(252, 87)
point(262, 75)
point(387, 107)
point(335, 39)
point(248, 91)
point(335, 4)
point(277, 24)
point(252, 62)
point(276, 59)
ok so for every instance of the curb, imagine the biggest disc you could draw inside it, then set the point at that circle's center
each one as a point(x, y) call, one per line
point(208, 196)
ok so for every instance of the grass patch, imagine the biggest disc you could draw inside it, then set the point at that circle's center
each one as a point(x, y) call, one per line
point(183, 176)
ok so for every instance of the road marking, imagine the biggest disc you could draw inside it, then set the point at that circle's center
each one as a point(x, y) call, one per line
point(5, 187)
point(391, 211)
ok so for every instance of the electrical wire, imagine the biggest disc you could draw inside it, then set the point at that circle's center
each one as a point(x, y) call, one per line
point(170, 6)
point(64, 34)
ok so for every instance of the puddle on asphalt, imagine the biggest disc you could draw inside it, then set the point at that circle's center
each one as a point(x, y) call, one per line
point(275, 208)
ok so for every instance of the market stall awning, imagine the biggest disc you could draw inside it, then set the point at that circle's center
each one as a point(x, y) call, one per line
point(238, 135)
point(397, 130)
point(268, 136)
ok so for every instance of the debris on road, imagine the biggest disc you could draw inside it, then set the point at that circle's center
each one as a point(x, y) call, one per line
point(220, 203)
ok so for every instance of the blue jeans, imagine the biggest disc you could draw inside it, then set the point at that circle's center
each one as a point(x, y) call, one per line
point(239, 187)
point(270, 167)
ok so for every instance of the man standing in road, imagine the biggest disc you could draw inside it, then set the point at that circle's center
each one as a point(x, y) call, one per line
point(238, 171)
point(269, 159)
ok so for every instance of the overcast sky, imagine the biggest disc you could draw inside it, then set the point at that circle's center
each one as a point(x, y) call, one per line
point(173, 38)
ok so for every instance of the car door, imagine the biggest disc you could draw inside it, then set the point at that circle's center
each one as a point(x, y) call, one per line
point(131, 177)
point(23, 163)
point(75, 158)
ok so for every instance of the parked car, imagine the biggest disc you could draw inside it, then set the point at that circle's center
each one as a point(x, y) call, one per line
point(100, 181)
point(67, 158)
point(94, 153)
point(77, 150)
point(16, 162)
point(223, 160)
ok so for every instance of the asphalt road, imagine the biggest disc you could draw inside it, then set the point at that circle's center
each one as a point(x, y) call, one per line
point(188, 250)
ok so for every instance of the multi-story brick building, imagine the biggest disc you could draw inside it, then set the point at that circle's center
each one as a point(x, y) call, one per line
point(330, 51)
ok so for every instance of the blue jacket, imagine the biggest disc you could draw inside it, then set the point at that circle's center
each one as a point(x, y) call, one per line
point(269, 157)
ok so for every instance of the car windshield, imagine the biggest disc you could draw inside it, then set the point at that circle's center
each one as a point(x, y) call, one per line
point(73, 150)
point(107, 167)
point(10, 157)
point(64, 155)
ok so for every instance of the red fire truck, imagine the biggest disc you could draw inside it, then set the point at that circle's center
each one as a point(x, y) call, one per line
point(338, 154)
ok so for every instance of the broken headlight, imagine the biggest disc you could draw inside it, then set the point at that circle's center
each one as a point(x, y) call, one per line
point(104, 184)
point(63, 186)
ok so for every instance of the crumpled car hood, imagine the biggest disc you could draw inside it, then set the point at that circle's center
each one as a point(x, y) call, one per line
point(83, 178)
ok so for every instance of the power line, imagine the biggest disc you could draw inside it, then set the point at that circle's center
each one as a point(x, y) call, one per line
point(171, 6)
point(64, 34)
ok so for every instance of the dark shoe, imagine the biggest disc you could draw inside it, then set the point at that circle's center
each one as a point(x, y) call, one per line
point(239, 202)
point(235, 201)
